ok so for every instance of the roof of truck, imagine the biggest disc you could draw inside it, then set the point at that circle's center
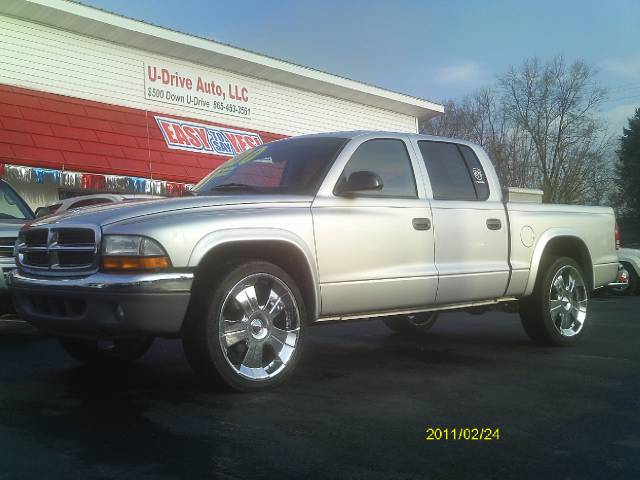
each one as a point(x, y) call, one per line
point(350, 134)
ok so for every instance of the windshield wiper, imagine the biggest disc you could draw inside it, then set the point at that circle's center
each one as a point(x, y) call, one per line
point(235, 186)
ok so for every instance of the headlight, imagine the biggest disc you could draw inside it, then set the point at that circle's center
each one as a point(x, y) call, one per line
point(132, 252)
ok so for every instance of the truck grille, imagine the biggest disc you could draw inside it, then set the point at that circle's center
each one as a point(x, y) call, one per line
point(59, 249)
point(6, 246)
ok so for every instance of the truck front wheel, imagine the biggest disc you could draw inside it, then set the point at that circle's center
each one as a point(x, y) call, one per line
point(118, 351)
point(247, 331)
point(556, 312)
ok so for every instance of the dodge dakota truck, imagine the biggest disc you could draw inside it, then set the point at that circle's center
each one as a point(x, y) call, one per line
point(316, 228)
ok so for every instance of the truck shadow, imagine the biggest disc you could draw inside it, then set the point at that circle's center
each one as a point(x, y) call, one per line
point(330, 352)
point(105, 416)
point(155, 418)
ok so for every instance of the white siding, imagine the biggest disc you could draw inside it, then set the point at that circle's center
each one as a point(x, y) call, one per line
point(52, 60)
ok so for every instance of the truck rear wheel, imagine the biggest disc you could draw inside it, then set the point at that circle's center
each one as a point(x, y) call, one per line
point(248, 331)
point(119, 351)
point(556, 312)
point(417, 323)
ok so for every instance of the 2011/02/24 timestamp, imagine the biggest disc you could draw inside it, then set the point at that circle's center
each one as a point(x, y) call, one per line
point(479, 434)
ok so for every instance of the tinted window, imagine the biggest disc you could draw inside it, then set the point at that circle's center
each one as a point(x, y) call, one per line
point(389, 159)
point(296, 165)
point(477, 173)
point(451, 178)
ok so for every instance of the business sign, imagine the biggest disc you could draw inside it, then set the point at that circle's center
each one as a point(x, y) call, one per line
point(197, 137)
point(187, 87)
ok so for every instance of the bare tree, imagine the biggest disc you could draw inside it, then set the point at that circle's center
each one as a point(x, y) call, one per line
point(455, 122)
point(540, 128)
point(481, 118)
point(554, 104)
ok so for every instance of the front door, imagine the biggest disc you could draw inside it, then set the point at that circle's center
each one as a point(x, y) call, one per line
point(375, 249)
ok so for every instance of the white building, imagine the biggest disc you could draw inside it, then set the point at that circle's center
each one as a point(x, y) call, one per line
point(93, 101)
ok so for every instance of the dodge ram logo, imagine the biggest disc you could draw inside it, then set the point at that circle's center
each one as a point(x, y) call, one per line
point(477, 173)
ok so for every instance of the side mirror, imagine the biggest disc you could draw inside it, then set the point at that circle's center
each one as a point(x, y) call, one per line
point(42, 212)
point(359, 182)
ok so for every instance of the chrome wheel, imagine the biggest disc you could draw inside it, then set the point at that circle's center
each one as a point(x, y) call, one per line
point(259, 326)
point(623, 282)
point(623, 278)
point(568, 301)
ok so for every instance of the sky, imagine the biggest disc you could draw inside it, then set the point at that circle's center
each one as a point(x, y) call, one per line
point(432, 49)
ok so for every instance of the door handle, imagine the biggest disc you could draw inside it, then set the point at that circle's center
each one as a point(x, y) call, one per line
point(421, 223)
point(494, 224)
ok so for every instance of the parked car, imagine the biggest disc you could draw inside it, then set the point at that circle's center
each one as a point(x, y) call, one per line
point(14, 213)
point(626, 282)
point(316, 228)
point(87, 201)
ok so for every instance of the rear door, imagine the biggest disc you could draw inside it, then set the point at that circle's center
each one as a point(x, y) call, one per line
point(469, 222)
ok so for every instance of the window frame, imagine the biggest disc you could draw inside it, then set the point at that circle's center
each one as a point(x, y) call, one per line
point(468, 168)
point(367, 195)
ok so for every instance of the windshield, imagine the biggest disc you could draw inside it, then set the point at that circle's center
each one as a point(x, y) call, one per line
point(12, 207)
point(293, 166)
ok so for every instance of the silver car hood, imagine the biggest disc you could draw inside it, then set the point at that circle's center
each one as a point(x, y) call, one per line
point(117, 212)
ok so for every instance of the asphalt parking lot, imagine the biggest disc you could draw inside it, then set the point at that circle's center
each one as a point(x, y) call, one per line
point(357, 407)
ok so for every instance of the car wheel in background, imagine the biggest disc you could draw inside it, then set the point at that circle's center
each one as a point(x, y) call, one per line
point(625, 273)
point(117, 351)
point(416, 323)
point(556, 312)
point(248, 331)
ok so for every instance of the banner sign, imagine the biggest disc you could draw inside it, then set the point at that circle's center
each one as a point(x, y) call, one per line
point(187, 87)
point(197, 137)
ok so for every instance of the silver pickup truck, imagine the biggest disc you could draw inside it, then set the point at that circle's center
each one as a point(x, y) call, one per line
point(310, 229)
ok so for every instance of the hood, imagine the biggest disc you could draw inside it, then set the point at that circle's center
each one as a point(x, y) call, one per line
point(117, 212)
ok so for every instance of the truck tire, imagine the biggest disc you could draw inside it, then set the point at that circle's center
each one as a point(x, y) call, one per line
point(556, 312)
point(120, 351)
point(417, 323)
point(630, 288)
point(248, 330)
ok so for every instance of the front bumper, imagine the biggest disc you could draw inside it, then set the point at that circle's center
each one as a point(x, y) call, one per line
point(104, 304)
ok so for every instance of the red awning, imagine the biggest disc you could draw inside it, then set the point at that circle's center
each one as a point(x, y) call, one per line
point(53, 131)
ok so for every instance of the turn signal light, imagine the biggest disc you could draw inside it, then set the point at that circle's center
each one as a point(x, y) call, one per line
point(135, 263)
